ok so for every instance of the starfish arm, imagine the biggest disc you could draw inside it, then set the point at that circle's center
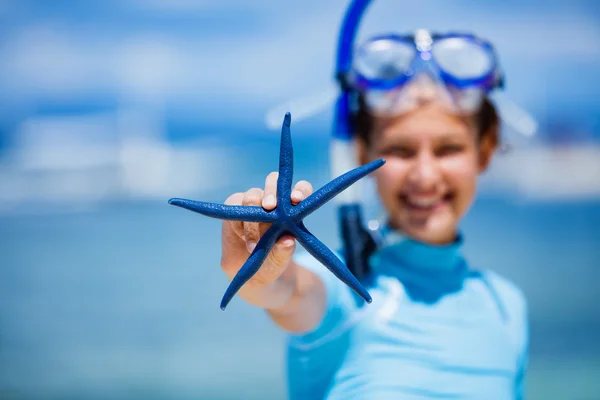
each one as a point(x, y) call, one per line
point(223, 211)
point(329, 191)
point(286, 165)
point(252, 265)
point(325, 256)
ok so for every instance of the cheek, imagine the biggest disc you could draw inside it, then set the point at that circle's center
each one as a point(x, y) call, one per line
point(390, 177)
point(461, 174)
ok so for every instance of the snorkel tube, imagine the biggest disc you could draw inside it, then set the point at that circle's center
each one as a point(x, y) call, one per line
point(358, 243)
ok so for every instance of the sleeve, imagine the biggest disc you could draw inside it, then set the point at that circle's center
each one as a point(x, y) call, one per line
point(314, 357)
point(341, 302)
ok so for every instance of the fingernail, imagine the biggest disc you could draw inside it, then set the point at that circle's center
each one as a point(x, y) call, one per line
point(287, 243)
point(250, 246)
point(269, 200)
point(297, 195)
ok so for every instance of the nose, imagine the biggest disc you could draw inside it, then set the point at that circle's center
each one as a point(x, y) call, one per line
point(424, 85)
point(423, 88)
point(424, 173)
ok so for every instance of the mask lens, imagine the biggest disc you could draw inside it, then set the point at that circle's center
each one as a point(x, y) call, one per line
point(384, 59)
point(463, 58)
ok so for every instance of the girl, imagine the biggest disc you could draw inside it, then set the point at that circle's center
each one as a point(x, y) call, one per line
point(436, 328)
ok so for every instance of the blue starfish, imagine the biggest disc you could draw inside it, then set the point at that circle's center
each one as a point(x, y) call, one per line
point(285, 218)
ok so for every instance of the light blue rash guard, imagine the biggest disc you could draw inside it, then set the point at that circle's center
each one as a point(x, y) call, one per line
point(436, 329)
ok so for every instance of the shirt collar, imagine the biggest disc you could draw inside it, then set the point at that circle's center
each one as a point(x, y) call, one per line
point(426, 271)
point(420, 255)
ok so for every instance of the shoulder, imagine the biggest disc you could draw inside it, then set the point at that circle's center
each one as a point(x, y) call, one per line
point(307, 261)
point(512, 296)
point(331, 282)
point(512, 303)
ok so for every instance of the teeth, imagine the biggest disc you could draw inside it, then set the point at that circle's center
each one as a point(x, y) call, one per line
point(423, 202)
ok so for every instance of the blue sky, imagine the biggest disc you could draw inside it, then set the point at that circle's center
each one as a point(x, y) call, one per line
point(200, 62)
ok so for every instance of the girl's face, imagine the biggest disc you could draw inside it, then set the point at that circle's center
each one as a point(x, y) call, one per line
point(432, 162)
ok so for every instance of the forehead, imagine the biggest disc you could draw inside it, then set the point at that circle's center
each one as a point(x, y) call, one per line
point(424, 123)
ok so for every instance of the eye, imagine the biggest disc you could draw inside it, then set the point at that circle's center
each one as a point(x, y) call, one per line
point(398, 151)
point(449, 149)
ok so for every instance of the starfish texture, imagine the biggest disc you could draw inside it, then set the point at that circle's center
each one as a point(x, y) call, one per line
point(286, 218)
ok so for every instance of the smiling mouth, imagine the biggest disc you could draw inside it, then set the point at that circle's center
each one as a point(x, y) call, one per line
point(425, 204)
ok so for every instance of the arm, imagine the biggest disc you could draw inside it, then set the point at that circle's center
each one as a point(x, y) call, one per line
point(305, 305)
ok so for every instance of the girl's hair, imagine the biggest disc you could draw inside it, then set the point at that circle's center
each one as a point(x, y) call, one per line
point(362, 121)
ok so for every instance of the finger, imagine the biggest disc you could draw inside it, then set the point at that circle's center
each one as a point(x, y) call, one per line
point(277, 260)
point(252, 197)
point(302, 190)
point(269, 201)
point(236, 200)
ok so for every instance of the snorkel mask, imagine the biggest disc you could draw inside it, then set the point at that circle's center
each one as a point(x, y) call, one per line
point(395, 74)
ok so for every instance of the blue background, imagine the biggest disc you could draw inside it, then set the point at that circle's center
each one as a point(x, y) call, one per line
point(108, 108)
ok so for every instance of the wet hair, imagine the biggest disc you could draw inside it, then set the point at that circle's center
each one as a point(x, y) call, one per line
point(362, 121)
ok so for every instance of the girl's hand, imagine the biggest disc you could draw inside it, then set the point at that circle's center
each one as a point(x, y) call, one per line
point(271, 286)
